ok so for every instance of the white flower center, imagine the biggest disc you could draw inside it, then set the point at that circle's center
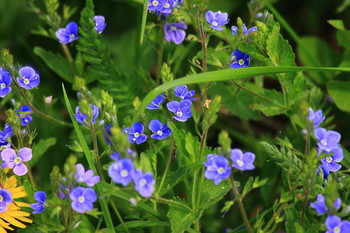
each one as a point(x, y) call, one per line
point(160, 133)
point(214, 23)
point(166, 5)
point(221, 170)
point(239, 162)
point(329, 159)
point(124, 173)
point(18, 160)
point(241, 62)
point(1, 198)
point(142, 182)
point(72, 36)
point(173, 28)
point(155, 3)
point(26, 81)
point(136, 135)
point(324, 142)
point(3, 85)
point(179, 113)
point(336, 230)
point(81, 199)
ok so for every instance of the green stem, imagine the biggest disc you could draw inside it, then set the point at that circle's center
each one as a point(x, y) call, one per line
point(167, 165)
point(240, 204)
point(67, 53)
point(160, 53)
point(118, 215)
point(97, 159)
point(275, 215)
point(31, 178)
point(172, 202)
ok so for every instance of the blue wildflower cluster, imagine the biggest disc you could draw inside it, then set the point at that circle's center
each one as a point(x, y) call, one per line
point(69, 33)
point(327, 142)
point(218, 167)
point(164, 7)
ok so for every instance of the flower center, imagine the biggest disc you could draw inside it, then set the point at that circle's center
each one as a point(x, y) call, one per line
point(160, 133)
point(324, 142)
point(124, 173)
point(72, 36)
point(136, 135)
point(1, 198)
point(81, 199)
point(239, 162)
point(336, 230)
point(18, 160)
point(329, 159)
point(221, 170)
point(166, 5)
point(214, 23)
point(26, 81)
point(155, 3)
point(142, 182)
point(173, 28)
point(179, 113)
point(241, 62)
point(3, 85)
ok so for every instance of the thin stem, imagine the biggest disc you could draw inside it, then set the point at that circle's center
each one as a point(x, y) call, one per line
point(31, 178)
point(275, 215)
point(240, 204)
point(172, 202)
point(308, 190)
point(67, 53)
point(97, 160)
point(167, 164)
point(160, 53)
point(118, 215)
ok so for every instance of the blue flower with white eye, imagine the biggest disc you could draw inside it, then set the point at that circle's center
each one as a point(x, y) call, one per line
point(182, 109)
point(40, 205)
point(327, 139)
point(5, 199)
point(159, 129)
point(6, 134)
point(100, 23)
point(28, 78)
point(331, 162)
point(156, 103)
point(5, 82)
point(183, 93)
point(86, 177)
point(242, 161)
point(335, 225)
point(217, 19)
point(246, 31)
point(144, 183)
point(239, 59)
point(175, 32)
point(24, 113)
point(135, 133)
point(316, 117)
point(68, 34)
point(166, 6)
point(218, 168)
point(82, 199)
point(121, 171)
point(82, 118)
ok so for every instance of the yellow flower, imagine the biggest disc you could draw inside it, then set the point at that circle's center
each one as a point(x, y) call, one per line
point(13, 215)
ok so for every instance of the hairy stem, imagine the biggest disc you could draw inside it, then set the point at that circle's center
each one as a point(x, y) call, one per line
point(97, 159)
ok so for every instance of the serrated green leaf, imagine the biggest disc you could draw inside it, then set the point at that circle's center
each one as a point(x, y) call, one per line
point(272, 42)
point(174, 178)
point(272, 105)
point(340, 93)
point(248, 185)
point(211, 193)
point(40, 148)
point(181, 219)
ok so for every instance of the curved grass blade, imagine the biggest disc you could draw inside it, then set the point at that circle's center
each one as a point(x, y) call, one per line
point(144, 19)
point(102, 200)
point(227, 75)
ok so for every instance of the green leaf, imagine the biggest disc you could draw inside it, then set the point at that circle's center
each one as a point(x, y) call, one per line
point(248, 185)
point(226, 75)
point(181, 218)
point(174, 178)
point(142, 224)
point(57, 63)
point(337, 23)
point(211, 193)
point(40, 148)
point(144, 20)
point(340, 93)
point(271, 43)
point(272, 104)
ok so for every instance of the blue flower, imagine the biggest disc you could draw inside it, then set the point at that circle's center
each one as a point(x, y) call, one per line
point(331, 162)
point(17, 162)
point(5, 199)
point(85, 177)
point(24, 113)
point(183, 93)
point(68, 34)
point(324, 170)
point(6, 134)
point(116, 156)
point(166, 6)
point(335, 225)
point(218, 168)
point(83, 199)
point(239, 59)
point(327, 139)
point(156, 103)
point(246, 31)
point(154, 5)
point(217, 19)
point(109, 134)
point(100, 23)
point(82, 118)
point(135, 133)
point(182, 109)
point(320, 205)
point(175, 32)
point(40, 205)
point(144, 183)
point(160, 131)
point(5, 81)
point(121, 171)
point(242, 161)
point(28, 78)
point(316, 117)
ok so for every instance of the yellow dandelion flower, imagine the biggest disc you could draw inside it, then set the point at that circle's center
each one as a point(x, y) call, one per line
point(11, 214)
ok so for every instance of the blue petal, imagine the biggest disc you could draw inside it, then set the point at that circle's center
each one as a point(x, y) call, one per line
point(138, 127)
